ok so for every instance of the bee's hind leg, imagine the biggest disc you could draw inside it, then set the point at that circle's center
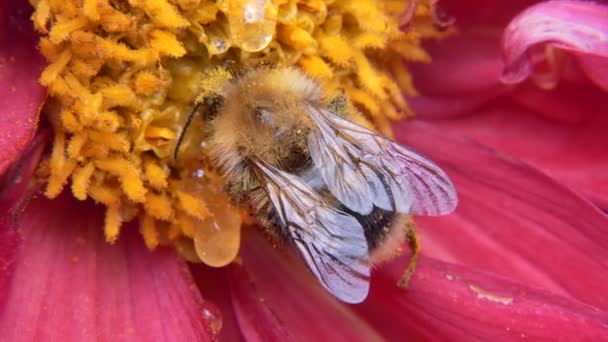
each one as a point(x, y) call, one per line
point(414, 246)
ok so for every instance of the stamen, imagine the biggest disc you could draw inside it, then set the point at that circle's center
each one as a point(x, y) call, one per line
point(81, 180)
point(148, 231)
point(113, 223)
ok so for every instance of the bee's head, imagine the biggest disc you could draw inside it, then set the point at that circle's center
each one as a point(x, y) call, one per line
point(264, 112)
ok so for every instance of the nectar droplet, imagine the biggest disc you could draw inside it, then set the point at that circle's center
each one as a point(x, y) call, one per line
point(217, 238)
point(252, 23)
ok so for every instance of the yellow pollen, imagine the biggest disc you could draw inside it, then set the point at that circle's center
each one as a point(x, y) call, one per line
point(123, 75)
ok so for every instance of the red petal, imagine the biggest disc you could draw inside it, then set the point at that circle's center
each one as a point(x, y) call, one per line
point(448, 302)
point(562, 132)
point(465, 69)
point(214, 286)
point(14, 192)
point(483, 13)
point(576, 26)
point(9, 244)
point(276, 298)
point(20, 66)
point(513, 220)
point(72, 286)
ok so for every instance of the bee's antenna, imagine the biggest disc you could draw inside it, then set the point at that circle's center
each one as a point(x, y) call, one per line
point(191, 116)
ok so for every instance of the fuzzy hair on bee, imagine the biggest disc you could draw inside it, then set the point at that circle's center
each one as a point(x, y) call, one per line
point(336, 190)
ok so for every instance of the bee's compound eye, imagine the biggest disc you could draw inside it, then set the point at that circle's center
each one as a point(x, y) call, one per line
point(214, 104)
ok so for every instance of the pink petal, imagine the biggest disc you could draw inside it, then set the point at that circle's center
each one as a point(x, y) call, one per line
point(513, 220)
point(15, 190)
point(465, 69)
point(483, 13)
point(213, 284)
point(562, 132)
point(449, 302)
point(70, 285)
point(276, 298)
point(9, 244)
point(21, 95)
point(577, 26)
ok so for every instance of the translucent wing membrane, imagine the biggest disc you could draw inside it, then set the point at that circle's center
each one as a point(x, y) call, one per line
point(331, 242)
point(362, 168)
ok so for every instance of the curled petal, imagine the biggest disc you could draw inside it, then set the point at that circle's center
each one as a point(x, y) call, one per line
point(449, 302)
point(70, 285)
point(20, 66)
point(576, 26)
point(513, 220)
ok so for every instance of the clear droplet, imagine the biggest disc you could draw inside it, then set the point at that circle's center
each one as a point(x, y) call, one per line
point(217, 39)
point(252, 23)
point(217, 238)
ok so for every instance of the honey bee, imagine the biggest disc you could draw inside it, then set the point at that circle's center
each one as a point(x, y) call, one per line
point(336, 190)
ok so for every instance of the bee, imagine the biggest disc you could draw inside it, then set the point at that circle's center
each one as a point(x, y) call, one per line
point(336, 190)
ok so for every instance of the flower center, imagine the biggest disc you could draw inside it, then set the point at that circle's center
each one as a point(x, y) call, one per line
point(123, 76)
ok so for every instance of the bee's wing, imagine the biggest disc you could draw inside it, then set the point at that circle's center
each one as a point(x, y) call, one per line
point(331, 242)
point(358, 165)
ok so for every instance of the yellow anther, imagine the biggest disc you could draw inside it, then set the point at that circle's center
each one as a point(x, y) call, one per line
point(113, 222)
point(312, 5)
point(41, 16)
point(89, 8)
point(206, 13)
point(129, 177)
point(363, 99)
point(159, 206)
point(51, 72)
point(164, 14)
point(63, 28)
point(70, 122)
point(148, 231)
point(336, 49)
point(369, 40)
point(186, 224)
point(368, 76)
point(81, 180)
point(147, 83)
point(108, 122)
point(316, 67)
point(104, 194)
point(118, 95)
point(76, 144)
point(403, 78)
point(84, 68)
point(166, 43)
point(114, 141)
point(156, 176)
point(193, 206)
point(159, 133)
point(59, 178)
point(294, 37)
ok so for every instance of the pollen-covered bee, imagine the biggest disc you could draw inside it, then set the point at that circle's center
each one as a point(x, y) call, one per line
point(335, 189)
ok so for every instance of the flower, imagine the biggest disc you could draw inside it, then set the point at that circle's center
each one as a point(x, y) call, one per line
point(517, 278)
